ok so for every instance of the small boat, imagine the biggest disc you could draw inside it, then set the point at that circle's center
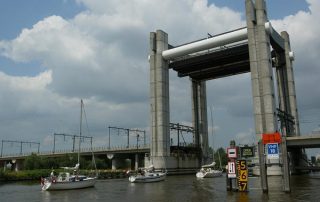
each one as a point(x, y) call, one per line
point(208, 171)
point(65, 180)
point(148, 175)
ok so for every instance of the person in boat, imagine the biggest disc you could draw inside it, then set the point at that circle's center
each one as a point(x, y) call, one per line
point(202, 170)
point(140, 171)
point(52, 176)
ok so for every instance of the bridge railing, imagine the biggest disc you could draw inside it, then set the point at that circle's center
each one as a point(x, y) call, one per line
point(82, 150)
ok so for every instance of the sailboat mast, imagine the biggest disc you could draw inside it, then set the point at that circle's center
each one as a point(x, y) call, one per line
point(81, 105)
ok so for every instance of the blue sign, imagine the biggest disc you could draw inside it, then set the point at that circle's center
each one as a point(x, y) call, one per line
point(272, 150)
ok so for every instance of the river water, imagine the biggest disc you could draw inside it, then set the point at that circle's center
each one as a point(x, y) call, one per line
point(175, 188)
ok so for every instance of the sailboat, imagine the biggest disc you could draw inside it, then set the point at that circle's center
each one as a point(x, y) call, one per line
point(65, 180)
point(209, 171)
point(148, 175)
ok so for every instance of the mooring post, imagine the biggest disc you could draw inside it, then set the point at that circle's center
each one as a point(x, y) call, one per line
point(229, 183)
point(263, 168)
point(285, 164)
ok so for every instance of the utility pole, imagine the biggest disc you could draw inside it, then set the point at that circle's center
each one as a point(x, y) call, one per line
point(127, 131)
point(73, 139)
point(21, 144)
point(1, 147)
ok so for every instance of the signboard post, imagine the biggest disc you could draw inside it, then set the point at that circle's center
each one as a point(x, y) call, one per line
point(232, 153)
point(242, 175)
point(232, 169)
point(272, 150)
point(246, 152)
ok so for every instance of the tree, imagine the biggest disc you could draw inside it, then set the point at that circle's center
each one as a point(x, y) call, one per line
point(32, 162)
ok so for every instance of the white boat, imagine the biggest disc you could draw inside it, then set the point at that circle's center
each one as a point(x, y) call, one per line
point(208, 171)
point(65, 180)
point(148, 175)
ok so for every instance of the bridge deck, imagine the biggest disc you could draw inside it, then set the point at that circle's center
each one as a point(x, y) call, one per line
point(84, 152)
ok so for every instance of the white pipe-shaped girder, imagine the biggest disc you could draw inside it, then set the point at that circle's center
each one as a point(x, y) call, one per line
point(220, 40)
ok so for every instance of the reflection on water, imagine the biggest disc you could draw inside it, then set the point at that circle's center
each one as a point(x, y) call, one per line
point(174, 188)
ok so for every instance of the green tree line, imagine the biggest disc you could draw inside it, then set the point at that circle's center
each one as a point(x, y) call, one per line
point(219, 155)
point(34, 162)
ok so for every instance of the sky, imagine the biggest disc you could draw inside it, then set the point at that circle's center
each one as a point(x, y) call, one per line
point(54, 53)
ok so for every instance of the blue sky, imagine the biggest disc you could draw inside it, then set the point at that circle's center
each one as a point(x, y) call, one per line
point(55, 52)
point(276, 8)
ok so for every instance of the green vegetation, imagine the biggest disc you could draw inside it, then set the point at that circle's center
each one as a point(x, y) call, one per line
point(37, 174)
point(34, 161)
point(23, 175)
point(35, 167)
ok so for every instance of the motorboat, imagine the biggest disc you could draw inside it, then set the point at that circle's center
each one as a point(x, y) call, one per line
point(148, 175)
point(208, 171)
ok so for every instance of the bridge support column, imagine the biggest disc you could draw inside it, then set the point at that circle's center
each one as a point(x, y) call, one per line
point(199, 114)
point(261, 78)
point(136, 162)
point(159, 99)
point(291, 84)
point(121, 163)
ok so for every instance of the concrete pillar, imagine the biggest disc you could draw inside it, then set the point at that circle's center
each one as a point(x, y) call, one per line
point(254, 69)
point(121, 164)
point(265, 66)
point(199, 116)
point(195, 112)
point(261, 78)
point(136, 162)
point(114, 163)
point(203, 119)
point(159, 99)
point(283, 95)
point(291, 84)
point(281, 82)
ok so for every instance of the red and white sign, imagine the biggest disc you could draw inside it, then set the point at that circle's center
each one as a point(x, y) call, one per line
point(232, 153)
point(232, 169)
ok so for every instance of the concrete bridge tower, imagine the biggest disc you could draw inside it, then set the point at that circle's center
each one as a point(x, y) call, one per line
point(159, 99)
point(160, 155)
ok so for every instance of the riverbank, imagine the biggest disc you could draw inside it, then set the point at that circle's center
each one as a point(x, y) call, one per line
point(37, 174)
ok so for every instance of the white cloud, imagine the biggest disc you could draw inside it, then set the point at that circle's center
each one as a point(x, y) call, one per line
point(246, 138)
point(101, 55)
point(303, 30)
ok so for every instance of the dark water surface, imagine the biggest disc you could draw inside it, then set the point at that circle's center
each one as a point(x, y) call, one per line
point(174, 188)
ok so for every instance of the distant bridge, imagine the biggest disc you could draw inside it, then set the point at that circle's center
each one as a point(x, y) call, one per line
point(305, 141)
point(83, 152)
